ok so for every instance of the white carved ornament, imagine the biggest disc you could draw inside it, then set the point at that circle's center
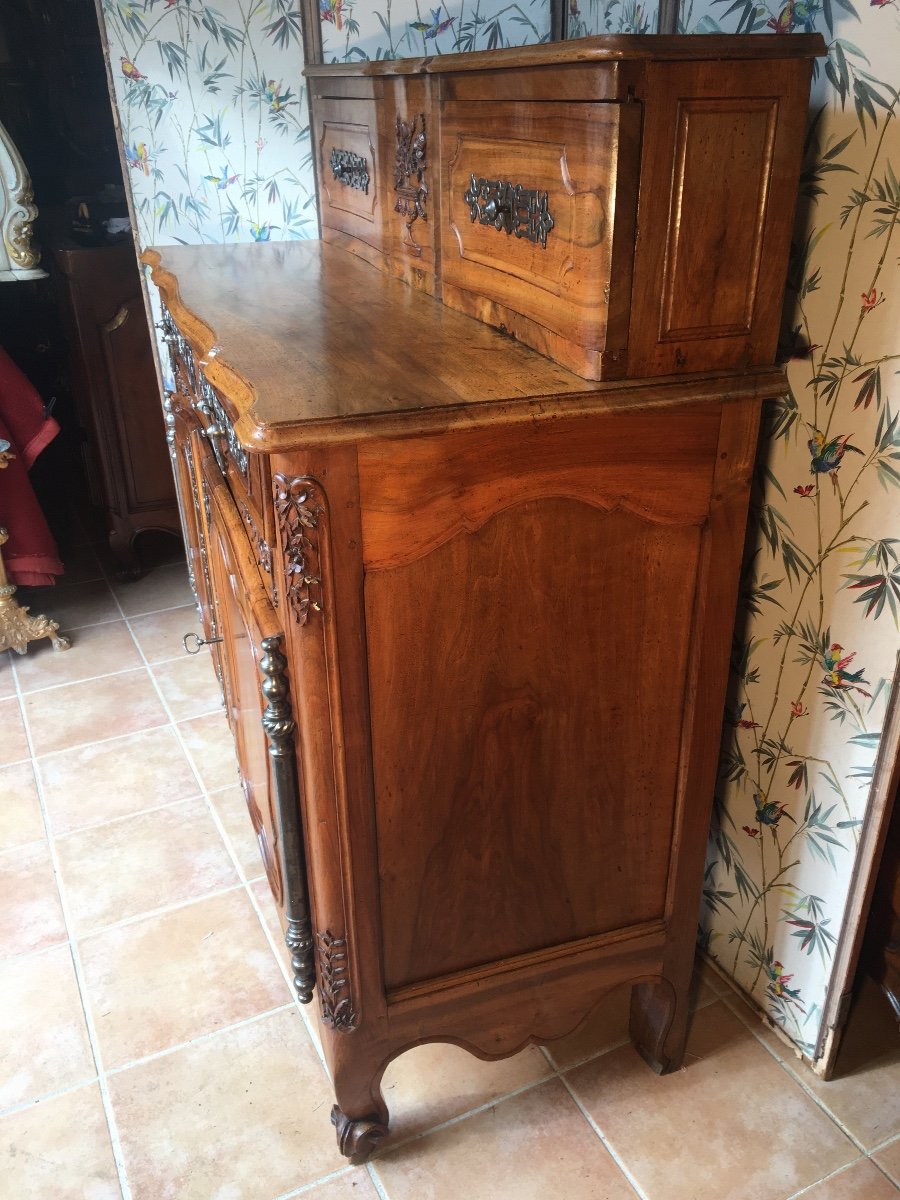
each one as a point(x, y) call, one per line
point(18, 258)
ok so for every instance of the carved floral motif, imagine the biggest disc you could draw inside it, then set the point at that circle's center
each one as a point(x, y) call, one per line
point(299, 507)
point(334, 982)
point(409, 171)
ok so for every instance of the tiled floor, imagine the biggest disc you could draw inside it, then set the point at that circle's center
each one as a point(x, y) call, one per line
point(150, 1046)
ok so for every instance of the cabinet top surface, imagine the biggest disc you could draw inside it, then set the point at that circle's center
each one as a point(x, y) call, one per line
point(595, 49)
point(304, 337)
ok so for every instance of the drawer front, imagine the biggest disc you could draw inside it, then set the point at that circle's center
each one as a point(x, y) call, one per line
point(348, 170)
point(529, 196)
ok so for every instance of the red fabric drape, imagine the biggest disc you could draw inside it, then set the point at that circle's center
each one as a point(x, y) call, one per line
point(30, 555)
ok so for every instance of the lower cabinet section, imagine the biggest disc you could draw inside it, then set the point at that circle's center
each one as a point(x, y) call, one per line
point(475, 667)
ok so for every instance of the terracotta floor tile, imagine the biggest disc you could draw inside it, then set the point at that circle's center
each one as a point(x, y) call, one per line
point(311, 1012)
point(211, 746)
point(171, 977)
point(59, 1149)
point(354, 1185)
point(163, 587)
point(231, 809)
point(78, 713)
point(159, 634)
point(20, 809)
point(245, 1114)
point(263, 896)
point(865, 1092)
point(432, 1083)
point(30, 913)
point(761, 1029)
point(889, 1160)
point(732, 1124)
point(115, 778)
point(44, 1044)
point(130, 866)
point(73, 605)
point(862, 1181)
point(97, 650)
point(13, 742)
point(532, 1147)
point(7, 682)
point(189, 685)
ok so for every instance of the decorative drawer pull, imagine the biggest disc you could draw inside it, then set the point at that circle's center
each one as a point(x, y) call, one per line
point(197, 641)
point(510, 207)
point(350, 169)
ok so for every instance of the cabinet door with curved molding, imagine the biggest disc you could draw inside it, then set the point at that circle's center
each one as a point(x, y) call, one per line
point(243, 618)
point(529, 600)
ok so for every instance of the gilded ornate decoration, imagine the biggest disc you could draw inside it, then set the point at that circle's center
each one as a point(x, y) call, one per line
point(278, 723)
point(19, 257)
point(350, 169)
point(334, 982)
point(17, 629)
point(409, 171)
point(510, 207)
point(299, 507)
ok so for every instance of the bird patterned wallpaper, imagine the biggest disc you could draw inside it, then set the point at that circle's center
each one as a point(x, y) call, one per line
point(212, 110)
point(817, 633)
point(358, 29)
point(213, 117)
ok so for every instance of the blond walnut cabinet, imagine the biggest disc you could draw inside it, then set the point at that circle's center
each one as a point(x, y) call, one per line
point(471, 611)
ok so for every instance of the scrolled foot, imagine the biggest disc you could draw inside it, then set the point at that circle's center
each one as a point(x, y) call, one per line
point(357, 1139)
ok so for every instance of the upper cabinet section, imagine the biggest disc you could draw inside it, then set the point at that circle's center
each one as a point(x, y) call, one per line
point(623, 205)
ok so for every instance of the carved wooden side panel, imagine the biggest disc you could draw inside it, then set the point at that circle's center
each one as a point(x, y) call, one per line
point(724, 152)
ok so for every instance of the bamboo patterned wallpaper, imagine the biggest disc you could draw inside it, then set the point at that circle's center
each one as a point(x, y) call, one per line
point(212, 107)
point(358, 29)
point(817, 633)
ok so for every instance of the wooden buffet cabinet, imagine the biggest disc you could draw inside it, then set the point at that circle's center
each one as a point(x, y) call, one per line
point(471, 611)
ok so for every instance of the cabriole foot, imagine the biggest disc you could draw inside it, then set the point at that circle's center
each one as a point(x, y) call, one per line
point(357, 1139)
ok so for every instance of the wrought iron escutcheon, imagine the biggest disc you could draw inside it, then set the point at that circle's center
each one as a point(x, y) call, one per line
point(350, 169)
point(510, 207)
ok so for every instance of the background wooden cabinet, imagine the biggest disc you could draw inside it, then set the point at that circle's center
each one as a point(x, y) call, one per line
point(114, 380)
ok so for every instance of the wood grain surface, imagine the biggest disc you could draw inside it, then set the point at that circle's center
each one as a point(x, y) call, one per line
point(304, 340)
point(518, 676)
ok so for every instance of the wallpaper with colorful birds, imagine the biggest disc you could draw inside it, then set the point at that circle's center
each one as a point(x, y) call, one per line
point(360, 29)
point(817, 636)
point(212, 107)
